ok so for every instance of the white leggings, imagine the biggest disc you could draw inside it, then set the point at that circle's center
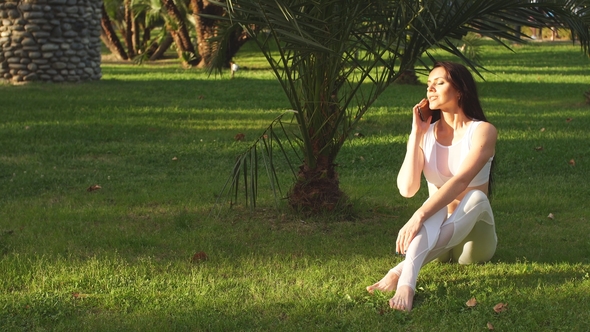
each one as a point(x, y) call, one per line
point(467, 236)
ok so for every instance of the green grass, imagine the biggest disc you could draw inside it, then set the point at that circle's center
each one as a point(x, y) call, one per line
point(159, 140)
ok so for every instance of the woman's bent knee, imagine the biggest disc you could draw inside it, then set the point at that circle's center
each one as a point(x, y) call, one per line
point(474, 198)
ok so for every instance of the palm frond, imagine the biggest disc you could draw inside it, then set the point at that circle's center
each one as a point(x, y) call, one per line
point(275, 140)
point(324, 53)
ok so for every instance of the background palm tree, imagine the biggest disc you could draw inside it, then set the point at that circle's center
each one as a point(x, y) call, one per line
point(109, 36)
point(325, 52)
point(136, 19)
point(149, 27)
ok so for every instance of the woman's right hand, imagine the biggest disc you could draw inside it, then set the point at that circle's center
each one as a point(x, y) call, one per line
point(407, 234)
point(418, 125)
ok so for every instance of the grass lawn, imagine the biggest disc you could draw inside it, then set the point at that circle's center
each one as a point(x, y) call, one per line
point(159, 141)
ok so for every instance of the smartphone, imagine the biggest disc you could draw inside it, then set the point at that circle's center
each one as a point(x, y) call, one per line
point(424, 111)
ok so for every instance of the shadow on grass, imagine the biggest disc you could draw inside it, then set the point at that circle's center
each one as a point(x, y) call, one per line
point(137, 134)
point(186, 311)
point(56, 140)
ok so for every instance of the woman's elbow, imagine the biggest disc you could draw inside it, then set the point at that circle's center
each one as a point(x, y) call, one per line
point(407, 192)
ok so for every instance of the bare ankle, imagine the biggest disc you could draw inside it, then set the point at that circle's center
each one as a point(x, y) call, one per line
point(403, 299)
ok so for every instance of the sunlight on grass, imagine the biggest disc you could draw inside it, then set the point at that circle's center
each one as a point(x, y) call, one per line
point(160, 141)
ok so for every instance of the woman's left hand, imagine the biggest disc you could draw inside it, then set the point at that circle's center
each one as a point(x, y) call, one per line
point(407, 234)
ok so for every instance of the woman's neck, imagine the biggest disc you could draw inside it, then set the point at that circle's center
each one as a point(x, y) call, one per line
point(453, 120)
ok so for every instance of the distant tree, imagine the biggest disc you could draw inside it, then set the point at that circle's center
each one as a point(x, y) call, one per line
point(208, 26)
point(173, 21)
point(151, 17)
point(177, 27)
point(110, 38)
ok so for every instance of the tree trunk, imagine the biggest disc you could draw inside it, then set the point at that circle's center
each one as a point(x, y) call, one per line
point(408, 77)
point(182, 36)
point(181, 53)
point(136, 32)
point(238, 40)
point(206, 29)
point(128, 36)
point(147, 35)
point(317, 189)
point(162, 48)
point(109, 36)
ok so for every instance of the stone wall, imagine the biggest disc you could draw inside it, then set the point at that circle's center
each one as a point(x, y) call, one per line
point(50, 40)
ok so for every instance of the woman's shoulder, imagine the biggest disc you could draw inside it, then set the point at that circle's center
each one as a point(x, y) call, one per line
point(484, 131)
point(484, 127)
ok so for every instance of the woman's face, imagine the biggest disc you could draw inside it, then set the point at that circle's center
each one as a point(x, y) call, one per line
point(440, 92)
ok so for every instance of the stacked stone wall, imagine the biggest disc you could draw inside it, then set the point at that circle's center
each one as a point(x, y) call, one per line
point(50, 40)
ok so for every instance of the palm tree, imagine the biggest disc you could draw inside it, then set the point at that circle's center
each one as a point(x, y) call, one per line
point(207, 26)
point(135, 20)
point(171, 21)
point(109, 36)
point(152, 17)
point(178, 25)
point(333, 58)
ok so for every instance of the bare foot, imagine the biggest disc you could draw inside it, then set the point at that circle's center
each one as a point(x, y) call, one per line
point(387, 284)
point(403, 298)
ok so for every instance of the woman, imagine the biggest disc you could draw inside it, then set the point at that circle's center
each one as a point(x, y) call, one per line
point(455, 154)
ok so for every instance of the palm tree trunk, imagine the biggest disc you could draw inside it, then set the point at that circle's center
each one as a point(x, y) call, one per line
point(109, 36)
point(183, 39)
point(408, 77)
point(136, 32)
point(317, 189)
point(240, 37)
point(205, 28)
point(179, 49)
point(147, 35)
point(162, 48)
point(129, 29)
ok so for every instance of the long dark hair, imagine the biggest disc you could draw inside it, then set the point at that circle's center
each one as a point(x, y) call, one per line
point(462, 80)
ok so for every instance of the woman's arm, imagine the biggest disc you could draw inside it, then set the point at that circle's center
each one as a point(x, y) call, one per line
point(482, 149)
point(408, 178)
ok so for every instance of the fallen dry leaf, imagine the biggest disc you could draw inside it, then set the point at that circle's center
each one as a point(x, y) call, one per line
point(568, 120)
point(77, 295)
point(551, 216)
point(490, 326)
point(572, 162)
point(500, 307)
point(175, 159)
point(239, 137)
point(538, 148)
point(201, 97)
point(93, 188)
point(472, 302)
point(200, 256)
point(542, 129)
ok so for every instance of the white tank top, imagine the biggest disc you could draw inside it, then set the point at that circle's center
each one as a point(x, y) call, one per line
point(442, 162)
